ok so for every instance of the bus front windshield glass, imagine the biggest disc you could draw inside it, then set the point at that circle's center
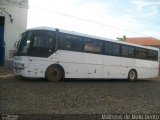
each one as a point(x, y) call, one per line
point(38, 43)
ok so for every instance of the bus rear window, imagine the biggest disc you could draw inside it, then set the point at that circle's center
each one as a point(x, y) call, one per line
point(152, 55)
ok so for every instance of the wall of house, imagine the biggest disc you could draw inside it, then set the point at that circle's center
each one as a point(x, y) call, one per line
point(14, 24)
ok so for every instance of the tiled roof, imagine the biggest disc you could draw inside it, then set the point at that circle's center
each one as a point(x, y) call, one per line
point(147, 41)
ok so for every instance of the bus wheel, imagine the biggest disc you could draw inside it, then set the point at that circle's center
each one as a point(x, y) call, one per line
point(132, 75)
point(54, 73)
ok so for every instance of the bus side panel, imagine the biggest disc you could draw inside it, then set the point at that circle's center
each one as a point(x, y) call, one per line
point(126, 65)
point(74, 70)
point(147, 72)
point(111, 67)
point(93, 65)
point(38, 66)
point(72, 63)
point(147, 69)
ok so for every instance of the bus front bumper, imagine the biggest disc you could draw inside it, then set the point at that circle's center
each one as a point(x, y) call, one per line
point(20, 69)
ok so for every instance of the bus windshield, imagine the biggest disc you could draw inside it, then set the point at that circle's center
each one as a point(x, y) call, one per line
point(38, 43)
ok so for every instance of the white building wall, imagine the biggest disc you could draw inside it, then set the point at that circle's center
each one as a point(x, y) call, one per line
point(12, 30)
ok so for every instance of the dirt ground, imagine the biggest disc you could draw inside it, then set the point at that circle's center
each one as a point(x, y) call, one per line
point(79, 97)
point(37, 96)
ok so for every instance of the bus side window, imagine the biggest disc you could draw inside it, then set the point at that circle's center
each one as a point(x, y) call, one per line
point(141, 53)
point(111, 49)
point(152, 55)
point(44, 40)
point(124, 51)
point(93, 46)
point(131, 51)
point(70, 42)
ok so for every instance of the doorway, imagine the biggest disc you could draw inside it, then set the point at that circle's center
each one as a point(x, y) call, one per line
point(2, 40)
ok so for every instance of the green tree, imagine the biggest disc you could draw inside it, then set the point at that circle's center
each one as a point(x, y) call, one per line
point(121, 39)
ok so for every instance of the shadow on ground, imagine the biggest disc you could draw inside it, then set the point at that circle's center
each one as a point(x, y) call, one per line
point(82, 80)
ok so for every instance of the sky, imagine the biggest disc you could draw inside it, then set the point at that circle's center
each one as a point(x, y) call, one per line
point(103, 18)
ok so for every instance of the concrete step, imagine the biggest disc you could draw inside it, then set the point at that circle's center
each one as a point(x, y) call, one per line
point(5, 71)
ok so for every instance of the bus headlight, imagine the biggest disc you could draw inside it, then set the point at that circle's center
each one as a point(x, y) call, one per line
point(18, 65)
point(21, 65)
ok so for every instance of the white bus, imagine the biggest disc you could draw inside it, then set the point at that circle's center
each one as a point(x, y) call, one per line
point(57, 54)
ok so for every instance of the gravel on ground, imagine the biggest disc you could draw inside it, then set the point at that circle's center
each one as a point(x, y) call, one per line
point(37, 96)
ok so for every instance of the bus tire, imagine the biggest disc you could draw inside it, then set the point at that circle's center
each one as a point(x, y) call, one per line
point(54, 73)
point(132, 75)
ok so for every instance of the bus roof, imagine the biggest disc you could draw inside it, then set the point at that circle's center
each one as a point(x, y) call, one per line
point(90, 36)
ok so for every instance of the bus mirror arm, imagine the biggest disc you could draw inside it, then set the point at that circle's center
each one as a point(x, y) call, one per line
point(16, 44)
